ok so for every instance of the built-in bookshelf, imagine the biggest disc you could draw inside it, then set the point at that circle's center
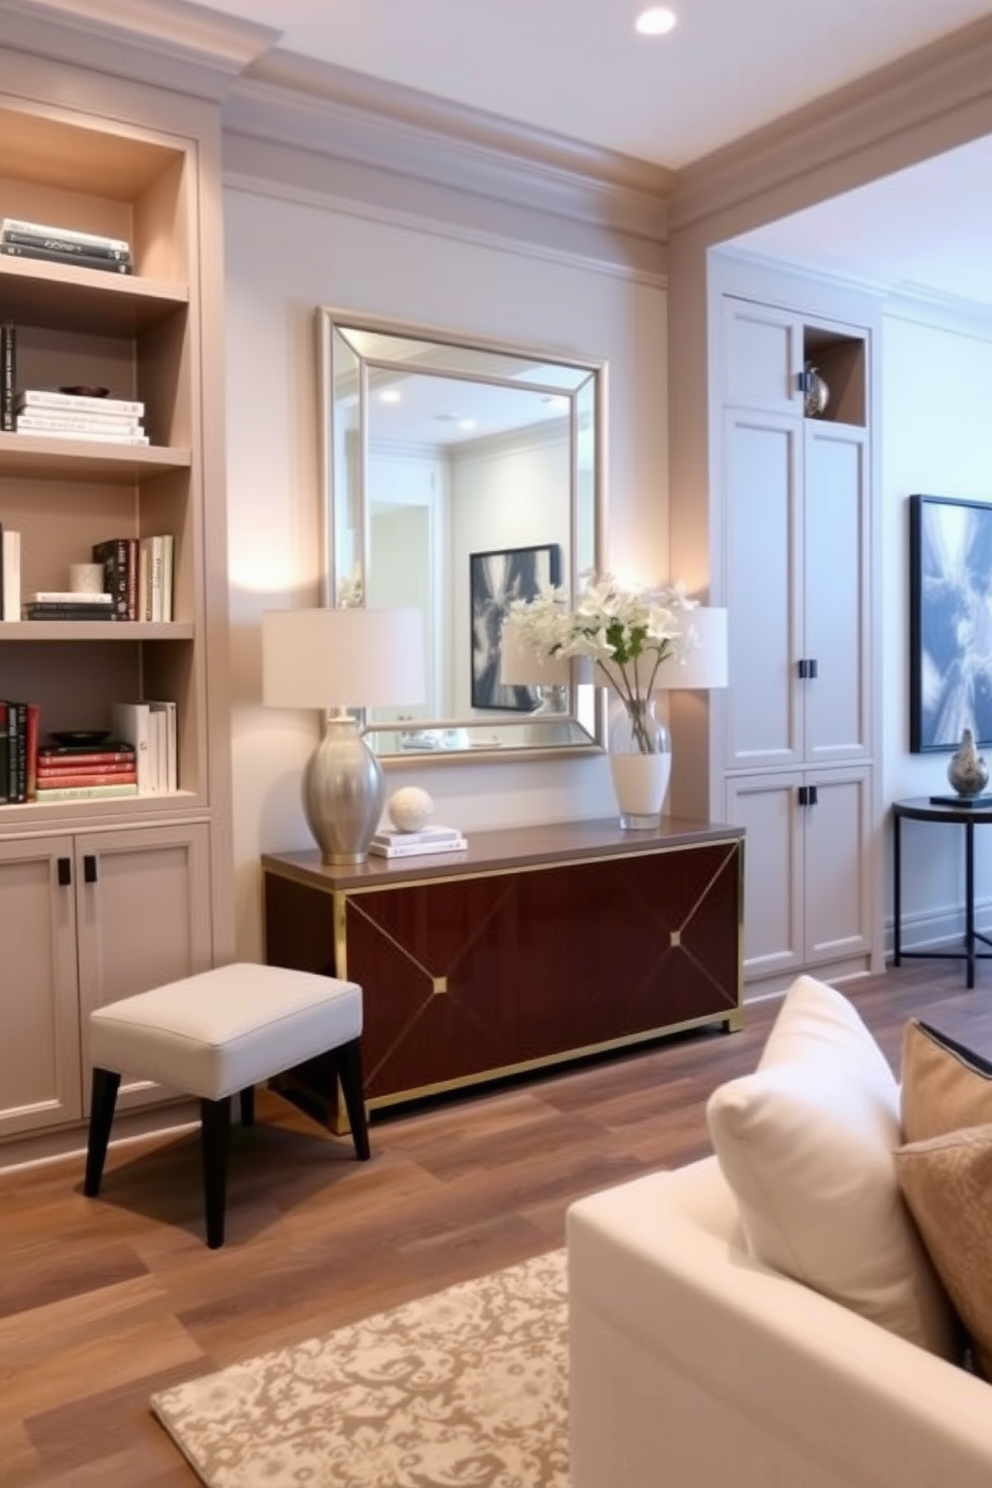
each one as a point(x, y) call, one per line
point(134, 335)
point(105, 894)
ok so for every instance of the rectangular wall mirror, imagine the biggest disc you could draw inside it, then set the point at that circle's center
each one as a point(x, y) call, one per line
point(457, 477)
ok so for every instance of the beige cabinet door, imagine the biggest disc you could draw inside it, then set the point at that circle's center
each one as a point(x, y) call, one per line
point(143, 918)
point(39, 1004)
point(762, 356)
point(767, 807)
point(763, 506)
point(837, 865)
point(835, 588)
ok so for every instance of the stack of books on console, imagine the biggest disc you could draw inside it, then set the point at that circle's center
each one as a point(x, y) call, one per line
point(67, 772)
point(68, 604)
point(21, 238)
point(51, 413)
point(388, 842)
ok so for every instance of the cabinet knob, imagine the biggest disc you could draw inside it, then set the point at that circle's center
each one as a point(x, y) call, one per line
point(89, 868)
point(806, 795)
point(65, 872)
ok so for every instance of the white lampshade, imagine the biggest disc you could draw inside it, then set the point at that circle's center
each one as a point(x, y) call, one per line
point(342, 658)
point(519, 666)
point(704, 664)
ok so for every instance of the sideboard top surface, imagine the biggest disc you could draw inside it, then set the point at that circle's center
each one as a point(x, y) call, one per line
point(504, 850)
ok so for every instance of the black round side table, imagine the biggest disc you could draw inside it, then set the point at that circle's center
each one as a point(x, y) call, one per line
point(924, 809)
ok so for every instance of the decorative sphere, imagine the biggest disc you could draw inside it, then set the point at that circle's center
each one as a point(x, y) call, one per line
point(410, 808)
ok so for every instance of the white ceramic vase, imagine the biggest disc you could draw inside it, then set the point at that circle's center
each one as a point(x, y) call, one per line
point(640, 764)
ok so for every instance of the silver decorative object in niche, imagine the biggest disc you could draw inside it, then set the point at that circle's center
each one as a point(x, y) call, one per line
point(817, 393)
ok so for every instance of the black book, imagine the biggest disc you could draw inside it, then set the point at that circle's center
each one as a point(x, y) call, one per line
point(52, 243)
point(8, 375)
point(68, 612)
point(81, 260)
point(113, 554)
point(4, 752)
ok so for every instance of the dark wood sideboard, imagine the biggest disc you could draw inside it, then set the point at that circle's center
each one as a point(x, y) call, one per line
point(534, 945)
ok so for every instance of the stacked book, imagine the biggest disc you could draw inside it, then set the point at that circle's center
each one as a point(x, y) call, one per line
point(68, 604)
point(138, 574)
point(389, 842)
point(18, 750)
point(67, 772)
point(65, 245)
point(50, 413)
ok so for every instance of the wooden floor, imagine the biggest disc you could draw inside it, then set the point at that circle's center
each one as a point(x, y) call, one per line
point(103, 1301)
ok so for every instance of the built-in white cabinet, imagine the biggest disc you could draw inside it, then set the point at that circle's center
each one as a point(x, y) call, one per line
point(796, 743)
point(92, 918)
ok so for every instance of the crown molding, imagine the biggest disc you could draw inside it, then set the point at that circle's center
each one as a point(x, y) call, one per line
point(932, 100)
point(365, 122)
point(165, 43)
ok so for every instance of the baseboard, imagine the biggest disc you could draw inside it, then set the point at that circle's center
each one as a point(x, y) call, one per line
point(37, 1148)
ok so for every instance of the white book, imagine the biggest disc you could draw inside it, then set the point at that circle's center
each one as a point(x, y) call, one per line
point(84, 402)
point(69, 596)
point(151, 575)
point(81, 420)
point(164, 715)
point(72, 234)
point(108, 438)
point(10, 558)
point(132, 723)
point(168, 576)
point(434, 832)
point(416, 849)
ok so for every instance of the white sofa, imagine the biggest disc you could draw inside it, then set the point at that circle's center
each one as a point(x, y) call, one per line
point(693, 1366)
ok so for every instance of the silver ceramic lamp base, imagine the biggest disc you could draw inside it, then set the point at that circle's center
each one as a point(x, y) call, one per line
point(343, 792)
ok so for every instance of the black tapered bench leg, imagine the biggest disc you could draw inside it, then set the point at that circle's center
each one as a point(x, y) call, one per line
point(103, 1100)
point(215, 1129)
point(348, 1058)
point(247, 1098)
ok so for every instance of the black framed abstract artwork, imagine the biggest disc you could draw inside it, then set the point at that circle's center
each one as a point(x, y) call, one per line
point(496, 579)
point(950, 621)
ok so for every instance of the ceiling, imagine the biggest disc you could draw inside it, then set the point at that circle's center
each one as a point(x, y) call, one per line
point(577, 68)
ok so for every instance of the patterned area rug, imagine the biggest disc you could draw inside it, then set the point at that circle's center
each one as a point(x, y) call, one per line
point(464, 1389)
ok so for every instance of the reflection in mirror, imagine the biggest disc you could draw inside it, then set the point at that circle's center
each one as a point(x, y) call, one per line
point(457, 479)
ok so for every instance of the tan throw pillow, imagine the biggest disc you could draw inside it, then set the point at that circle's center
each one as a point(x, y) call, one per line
point(806, 1143)
point(947, 1183)
point(944, 1085)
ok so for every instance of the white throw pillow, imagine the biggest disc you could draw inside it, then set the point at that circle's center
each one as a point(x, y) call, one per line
point(807, 1144)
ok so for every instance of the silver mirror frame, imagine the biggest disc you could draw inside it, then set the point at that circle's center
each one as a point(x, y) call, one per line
point(346, 507)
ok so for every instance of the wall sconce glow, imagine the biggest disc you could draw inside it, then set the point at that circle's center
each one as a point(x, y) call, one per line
point(656, 21)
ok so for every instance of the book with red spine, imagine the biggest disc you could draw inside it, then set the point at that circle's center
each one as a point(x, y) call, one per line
point(57, 773)
point(87, 777)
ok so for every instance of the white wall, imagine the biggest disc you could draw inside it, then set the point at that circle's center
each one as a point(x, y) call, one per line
point(936, 436)
point(283, 259)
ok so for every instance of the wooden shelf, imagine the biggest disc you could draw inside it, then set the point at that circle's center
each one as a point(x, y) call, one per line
point(95, 630)
point(64, 297)
point(86, 459)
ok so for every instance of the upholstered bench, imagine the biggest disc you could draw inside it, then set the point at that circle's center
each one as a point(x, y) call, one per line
point(220, 1033)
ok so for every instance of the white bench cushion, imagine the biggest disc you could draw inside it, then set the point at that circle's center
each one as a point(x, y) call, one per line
point(226, 1029)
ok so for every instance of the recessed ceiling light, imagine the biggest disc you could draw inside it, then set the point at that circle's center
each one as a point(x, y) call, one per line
point(389, 395)
point(467, 423)
point(656, 21)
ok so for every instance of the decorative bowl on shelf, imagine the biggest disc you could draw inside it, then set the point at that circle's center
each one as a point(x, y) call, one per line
point(80, 736)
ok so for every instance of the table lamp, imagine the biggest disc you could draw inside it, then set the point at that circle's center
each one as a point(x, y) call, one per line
point(520, 666)
point(704, 665)
point(336, 659)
